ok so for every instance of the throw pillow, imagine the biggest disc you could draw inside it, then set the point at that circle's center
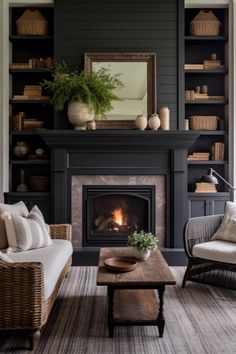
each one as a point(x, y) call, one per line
point(25, 233)
point(230, 210)
point(226, 231)
point(19, 209)
point(4, 258)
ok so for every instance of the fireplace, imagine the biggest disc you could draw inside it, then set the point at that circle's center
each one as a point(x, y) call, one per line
point(111, 213)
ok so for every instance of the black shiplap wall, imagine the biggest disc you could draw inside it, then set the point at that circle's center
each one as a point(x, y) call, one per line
point(122, 26)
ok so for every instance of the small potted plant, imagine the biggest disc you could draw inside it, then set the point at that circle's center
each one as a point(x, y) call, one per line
point(143, 243)
point(87, 95)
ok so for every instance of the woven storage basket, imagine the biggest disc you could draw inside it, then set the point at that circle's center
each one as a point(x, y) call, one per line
point(39, 183)
point(205, 24)
point(204, 122)
point(32, 22)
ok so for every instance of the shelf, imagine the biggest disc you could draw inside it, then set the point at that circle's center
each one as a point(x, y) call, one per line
point(29, 101)
point(206, 72)
point(30, 71)
point(206, 162)
point(210, 132)
point(205, 39)
point(223, 102)
point(214, 194)
point(29, 162)
point(29, 132)
point(29, 194)
point(38, 38)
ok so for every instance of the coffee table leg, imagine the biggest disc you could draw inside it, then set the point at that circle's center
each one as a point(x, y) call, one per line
point(110, 322)
point(160, 318)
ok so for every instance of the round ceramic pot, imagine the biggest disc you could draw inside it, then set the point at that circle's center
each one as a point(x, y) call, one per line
point(21, 149)
point(141, 122)
point(154, 122)
point(141, 255)
point(79, 114)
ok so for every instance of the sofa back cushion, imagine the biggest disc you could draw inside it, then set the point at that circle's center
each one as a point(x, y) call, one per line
point(25, 233)
point(18, 209)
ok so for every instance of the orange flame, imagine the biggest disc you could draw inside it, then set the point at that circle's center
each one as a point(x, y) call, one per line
point(119, 217)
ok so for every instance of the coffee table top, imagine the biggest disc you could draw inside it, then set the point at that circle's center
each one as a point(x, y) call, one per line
point(152, 272)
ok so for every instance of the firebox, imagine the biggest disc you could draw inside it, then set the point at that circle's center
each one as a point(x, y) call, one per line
point(111, 213)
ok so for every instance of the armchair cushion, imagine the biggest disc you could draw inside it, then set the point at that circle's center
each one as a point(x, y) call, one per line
point(53, 258)
point(220, 251)
point(4, 257)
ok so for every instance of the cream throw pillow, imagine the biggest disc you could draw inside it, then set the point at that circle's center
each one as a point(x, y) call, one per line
point(25, 233)
point(19, 209)
point(227, 229)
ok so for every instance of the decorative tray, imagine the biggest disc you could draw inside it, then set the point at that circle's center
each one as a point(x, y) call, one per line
point(121, 264)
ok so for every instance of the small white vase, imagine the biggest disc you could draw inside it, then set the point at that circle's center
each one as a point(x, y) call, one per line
point(154, 122)
point(141, 255)
point(141, 122)
point(79, 114)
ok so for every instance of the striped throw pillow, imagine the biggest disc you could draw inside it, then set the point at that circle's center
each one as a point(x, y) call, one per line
point(25, 233)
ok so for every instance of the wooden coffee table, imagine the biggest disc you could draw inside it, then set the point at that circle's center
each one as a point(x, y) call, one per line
point(131, 297)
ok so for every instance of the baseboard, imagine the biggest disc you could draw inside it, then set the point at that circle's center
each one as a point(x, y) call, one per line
point(88, 256)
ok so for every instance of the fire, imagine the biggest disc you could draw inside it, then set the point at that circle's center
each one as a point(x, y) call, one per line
point(119, 217)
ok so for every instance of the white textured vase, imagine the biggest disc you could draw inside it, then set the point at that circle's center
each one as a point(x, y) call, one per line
point(141, 255)
point(154, 122)
point(141, 122)
point(79, 114)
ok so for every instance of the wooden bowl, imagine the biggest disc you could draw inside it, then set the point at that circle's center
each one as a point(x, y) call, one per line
point(121, 264)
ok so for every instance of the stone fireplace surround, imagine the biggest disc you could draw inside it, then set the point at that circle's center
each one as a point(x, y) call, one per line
point(76, 154)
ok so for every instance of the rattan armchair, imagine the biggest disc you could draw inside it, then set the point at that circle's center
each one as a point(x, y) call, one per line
point(22, 303)
point(199, 230)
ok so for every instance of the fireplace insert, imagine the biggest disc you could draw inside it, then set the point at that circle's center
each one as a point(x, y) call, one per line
point(111, 213)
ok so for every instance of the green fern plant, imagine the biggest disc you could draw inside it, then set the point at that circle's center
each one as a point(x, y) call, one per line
point(97, 89)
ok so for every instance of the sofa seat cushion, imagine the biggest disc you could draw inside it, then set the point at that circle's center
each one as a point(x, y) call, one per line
point(221, 251)
point(53, 258)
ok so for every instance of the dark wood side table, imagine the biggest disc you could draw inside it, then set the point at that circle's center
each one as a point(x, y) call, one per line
point(131, 297)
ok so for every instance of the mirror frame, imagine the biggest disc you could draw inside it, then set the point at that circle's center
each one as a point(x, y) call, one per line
point(150, 59)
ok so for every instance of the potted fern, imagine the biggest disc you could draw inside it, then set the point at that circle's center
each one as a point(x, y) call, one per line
point(143, 243)
point(86, 95)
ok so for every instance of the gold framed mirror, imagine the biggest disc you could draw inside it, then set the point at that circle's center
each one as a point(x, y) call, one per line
point(138, 74)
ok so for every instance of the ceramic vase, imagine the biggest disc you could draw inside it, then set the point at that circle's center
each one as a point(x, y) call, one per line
point(91, 125)
point(164, 113)
point(141, 255)
point(141, 122)
point(154, 122)
point(21, 149)
point(79, 114)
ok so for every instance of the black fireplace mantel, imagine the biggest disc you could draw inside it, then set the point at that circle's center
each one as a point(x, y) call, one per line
point(122, 152)
point(123, 139)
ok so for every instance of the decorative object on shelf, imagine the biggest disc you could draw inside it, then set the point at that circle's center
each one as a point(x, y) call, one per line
point(213, 56)
point(186, 124)
point(208, 64)
point(205, 187)
point(91, 125)
point(143, 243)
point(204, 89)
point(154, 121)
point(141, 122)
point(34, 63)
point(189, 95)
point(121, 264)
point(39, 154)
point(199, 156)
point(205, 24)
point(39, 183)
point(32, 124)
point(32, 22)
point(204, 122)
point(164, 114)
point(193, 66)
point(22, 186)
point(211, 179)
point(218, 151)
point(197, 89)
point(87, 94)
point(21, 149)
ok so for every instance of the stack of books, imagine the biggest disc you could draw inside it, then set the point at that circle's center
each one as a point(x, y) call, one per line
point(212, 64)
point(193, 66)
point(199, 156)
point(203, 187)
point(218, 151)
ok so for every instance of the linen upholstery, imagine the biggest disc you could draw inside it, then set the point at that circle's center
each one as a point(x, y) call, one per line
point(24, 233)
point(220, 251)
point(227, 229)
point(18, 209)
point(5, 258)
point(53, 258)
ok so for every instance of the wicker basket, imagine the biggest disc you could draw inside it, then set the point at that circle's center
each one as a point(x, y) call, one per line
point(205, 24)
point(32, 22)
point(203, 122)
point(39, 183)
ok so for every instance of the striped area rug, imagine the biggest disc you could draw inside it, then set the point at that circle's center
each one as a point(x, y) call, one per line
point(199, 319)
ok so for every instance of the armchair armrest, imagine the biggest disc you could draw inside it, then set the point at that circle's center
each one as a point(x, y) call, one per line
point(199, 230)
point(61, 231)
point(21, 295)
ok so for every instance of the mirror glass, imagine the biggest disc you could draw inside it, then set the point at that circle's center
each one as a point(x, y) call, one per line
point(138, 74)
